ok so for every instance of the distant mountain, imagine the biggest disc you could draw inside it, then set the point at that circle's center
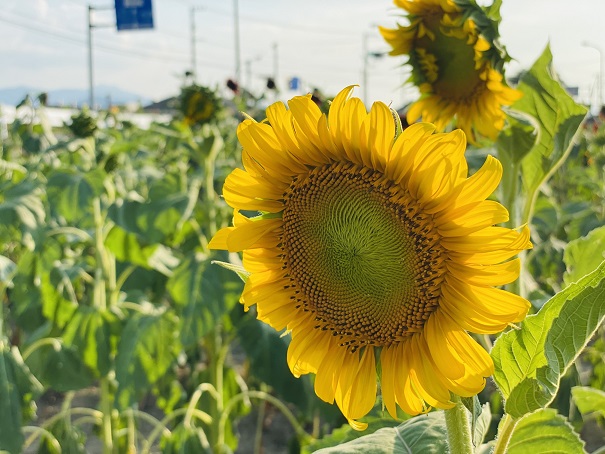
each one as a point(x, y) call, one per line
point(104, 96)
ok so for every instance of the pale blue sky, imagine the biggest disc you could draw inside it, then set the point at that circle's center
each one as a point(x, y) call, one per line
point(43, 44)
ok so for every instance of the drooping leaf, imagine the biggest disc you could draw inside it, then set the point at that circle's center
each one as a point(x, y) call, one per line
point(20, 204)
point(544, 431)
point(558, 117)
point(426, 434)
point(473, 405)
point(128, 247)
point(529, 362)
point(18, 389)
point(59, 367)
point(148, 347)
point(589, 400)
point(71, 193)
point(481, 425)
point(584, 255)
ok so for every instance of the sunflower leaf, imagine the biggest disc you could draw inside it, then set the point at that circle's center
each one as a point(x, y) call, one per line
point(558, 117)
point(589, 400)
point(530, 362)
point(426, 434)
point(584, 254)
point(544, 428)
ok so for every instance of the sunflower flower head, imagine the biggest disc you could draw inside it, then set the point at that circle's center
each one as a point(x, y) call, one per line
point(198, 105)
point(376, 251)
point(457, 63)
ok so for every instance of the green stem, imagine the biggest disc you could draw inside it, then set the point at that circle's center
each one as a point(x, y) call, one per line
point(102, 267)
point(56, 343)
point(163, 426)
point(42, 433)
point(505, 431)
point(458, 428)
point(106, 409)
point(300, 431)
point(195, 399)
point(258, 436)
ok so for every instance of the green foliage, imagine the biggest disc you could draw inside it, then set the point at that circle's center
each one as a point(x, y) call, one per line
point(589, 400)
point(426, 434)
point(18, 389)
point(584, 255)
point(544, 428)
point(59, 367)
point(147, 348)
point(530, 361)
point(185, 440)
point(71, 439)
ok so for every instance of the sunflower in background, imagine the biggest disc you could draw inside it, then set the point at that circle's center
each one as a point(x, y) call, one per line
point(198, 105)
point(457, 64)
point(375, 250)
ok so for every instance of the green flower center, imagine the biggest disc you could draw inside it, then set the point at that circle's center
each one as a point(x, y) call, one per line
point(359, 254)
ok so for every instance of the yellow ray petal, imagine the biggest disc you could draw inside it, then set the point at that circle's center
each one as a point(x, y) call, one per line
point(488, 275)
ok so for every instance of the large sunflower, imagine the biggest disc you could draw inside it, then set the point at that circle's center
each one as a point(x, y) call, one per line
point(456, 64)
point(371, 247)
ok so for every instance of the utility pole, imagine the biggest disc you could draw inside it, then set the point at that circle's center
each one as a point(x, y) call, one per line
point(193, 43)
point(91, 26)
point(91, 86)
point(237, 49)
point(275, 64)
point(193, 50)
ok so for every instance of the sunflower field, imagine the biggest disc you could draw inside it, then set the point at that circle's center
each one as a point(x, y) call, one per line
point(313, 276)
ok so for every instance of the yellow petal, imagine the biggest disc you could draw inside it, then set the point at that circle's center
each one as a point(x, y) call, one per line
point(246, 236)
point(488, 275)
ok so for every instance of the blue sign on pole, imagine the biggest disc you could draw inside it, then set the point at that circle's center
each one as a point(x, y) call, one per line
point(133, 14)
point(294, 83)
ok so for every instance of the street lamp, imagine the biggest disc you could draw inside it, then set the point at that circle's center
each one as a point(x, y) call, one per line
point(600, 84)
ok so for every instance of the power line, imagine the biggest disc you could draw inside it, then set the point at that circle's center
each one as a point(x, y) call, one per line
point(106, 48)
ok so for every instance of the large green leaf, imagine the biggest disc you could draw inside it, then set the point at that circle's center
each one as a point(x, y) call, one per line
point(129, 247)
point(544, 431)
point(203, 294)
point(558, 117)
point(424, 434)
point(59, 367)
point(589, 400)
point(148, 347)
point(160, 216)
point(584, 255)
point(89, 333)
point(71, 194)
point(20, 204)
point(529, 362)
point(346, 433)
point(18, 389)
